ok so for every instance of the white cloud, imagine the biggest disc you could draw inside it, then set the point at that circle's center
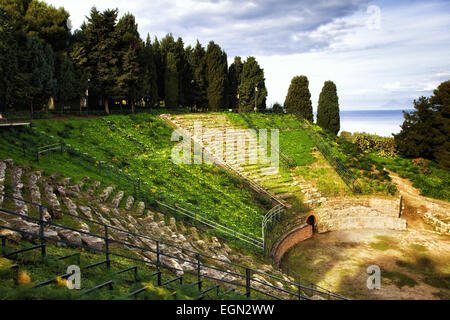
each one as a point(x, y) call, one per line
point(406, 57)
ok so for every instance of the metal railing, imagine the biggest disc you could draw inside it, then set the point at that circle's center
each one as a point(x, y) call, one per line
point(223, 164)
point(341, 169)
point(273, 215)
point(241, 280)
point(150, 199)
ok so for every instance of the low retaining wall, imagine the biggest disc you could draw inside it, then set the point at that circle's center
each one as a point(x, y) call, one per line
point(289, 240)
point(438, 225)
point(349, 223)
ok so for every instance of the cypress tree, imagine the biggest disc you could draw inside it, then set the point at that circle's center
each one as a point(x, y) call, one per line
point(129, 81)
point(159, 67)
point(149, 76)
point(198, 65)
point(234, 81)
point(103, 58)
point(328, 110)
point(252, 77)
point(298, 99)
point(171, 81)
point(216, 75)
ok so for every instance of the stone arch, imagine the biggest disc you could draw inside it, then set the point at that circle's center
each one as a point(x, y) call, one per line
point(312, 221)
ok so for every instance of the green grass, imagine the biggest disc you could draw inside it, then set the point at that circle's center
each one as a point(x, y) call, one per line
point(204, 189)
point(432, 181)
point(39, 270)
point(399, 279)
point(384, 243)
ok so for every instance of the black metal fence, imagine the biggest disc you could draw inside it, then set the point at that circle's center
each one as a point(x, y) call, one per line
point(243, 278)
point(141, 193)
point(341, 169)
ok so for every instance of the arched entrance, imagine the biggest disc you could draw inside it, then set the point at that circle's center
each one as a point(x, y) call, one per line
point(312, 222)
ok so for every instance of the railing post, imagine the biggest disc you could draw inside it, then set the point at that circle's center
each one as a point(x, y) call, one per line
point(299, 292)
point(108, 262)
point(247, 282)
point(41, 231)
point(3, 245)
point(158, 263)
point(400, 207)
point(199, 274)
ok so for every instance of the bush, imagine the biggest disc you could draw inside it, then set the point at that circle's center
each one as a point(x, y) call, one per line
point(385, 147)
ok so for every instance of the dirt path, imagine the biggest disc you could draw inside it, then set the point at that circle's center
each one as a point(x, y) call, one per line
point(412, 195)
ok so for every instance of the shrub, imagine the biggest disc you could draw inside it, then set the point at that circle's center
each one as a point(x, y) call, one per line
point(385, 147)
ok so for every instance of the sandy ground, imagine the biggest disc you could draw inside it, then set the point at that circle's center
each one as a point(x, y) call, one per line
point(415, 264)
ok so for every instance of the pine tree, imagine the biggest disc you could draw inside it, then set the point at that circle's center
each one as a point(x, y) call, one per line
point(298, 99)
point(171, 81)
point(130, 46)
point(9, 67)
point(252, 89)
point(100, 46)
point(150, 90)
point(441, 104)
point(328, 110)
point(216, 75)
point(198, 65)
point(160, 68)
point(418, 132)
point(234, 81)
point(68, 80)
point(425, 131)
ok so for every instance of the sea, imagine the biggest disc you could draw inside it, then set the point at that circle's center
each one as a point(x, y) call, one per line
point(380, 122)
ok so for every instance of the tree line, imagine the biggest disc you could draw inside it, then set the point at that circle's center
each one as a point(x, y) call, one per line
point(42, 61)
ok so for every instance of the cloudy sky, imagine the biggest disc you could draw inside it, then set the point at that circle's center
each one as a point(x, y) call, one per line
point(380, 54)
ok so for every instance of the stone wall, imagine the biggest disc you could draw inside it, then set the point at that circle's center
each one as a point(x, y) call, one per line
point(289, 240)
point(364, 222)
point(438, 225)
point(362, 213)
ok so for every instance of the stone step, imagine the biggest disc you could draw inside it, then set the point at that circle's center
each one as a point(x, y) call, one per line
point(286, 196)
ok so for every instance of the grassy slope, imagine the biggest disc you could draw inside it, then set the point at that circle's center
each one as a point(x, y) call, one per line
point(212, 192)
point(40, 270)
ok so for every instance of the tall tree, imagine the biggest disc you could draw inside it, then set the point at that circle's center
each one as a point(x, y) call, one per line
point(328, 110)
point(9, 66)
point(130, 46)
point(171, 81)
point(48, 23)
point(417, 134)
point(102, 57)
point(198, 65)
point(425, 131)
point(298, 99)
point(234, 81)
point(216, 75)
point(68, 80)
point(150, 85)
point(37, 73)
point(441, 103)
point(159, 67)
point(252, 89)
